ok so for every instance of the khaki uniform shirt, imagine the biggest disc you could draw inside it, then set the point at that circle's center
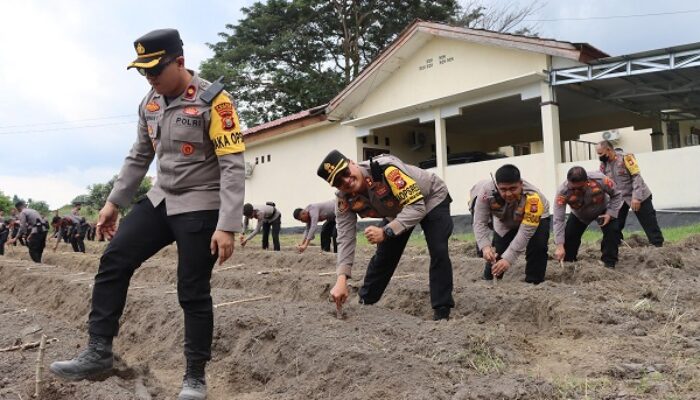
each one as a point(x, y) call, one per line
point(265, 214)
point(624, 171)
point(200, 155)
point(318, 212)
point(523, 215)
point(599, 197)
point(404, 196)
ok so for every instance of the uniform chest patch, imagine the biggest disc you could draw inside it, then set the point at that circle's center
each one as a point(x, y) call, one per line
point(187, 149)
point(189, 122)
point(191, 111)
point(152, 106)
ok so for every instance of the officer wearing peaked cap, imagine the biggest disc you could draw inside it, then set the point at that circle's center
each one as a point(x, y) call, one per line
point(404, 196)
point(192, 127)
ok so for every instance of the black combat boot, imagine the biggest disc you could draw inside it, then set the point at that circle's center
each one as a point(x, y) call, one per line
point(441, 313)
point(194, 387)
point(95, 359)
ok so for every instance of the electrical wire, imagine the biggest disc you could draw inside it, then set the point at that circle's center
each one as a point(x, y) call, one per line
point(612, 16)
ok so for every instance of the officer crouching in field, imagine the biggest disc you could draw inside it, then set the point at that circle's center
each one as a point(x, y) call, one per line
point(36, 228)
point(521, 223)
point(269, 219)
point(311, 215)
point(404, 195)
point(623, 169)
point(591, 196)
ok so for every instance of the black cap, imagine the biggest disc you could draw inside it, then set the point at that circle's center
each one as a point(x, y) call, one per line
point(334, 162)
point(20, 204)
point(152, 47)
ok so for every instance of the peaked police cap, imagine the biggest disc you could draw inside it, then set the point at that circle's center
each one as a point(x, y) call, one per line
point(154, 46)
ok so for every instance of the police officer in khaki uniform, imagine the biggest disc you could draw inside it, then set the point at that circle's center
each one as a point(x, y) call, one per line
point(311, 216)
point(623, 169)
point(269, 219)
point(404, 195)
point(591, 196)
point(192, 127)
point(34, 227)
point(521, 223)
point(4, 233)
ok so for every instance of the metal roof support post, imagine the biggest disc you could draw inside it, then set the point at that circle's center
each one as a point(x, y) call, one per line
point(551, 138)
point(440, 144)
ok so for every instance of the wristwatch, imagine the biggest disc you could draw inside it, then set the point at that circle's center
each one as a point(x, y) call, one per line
point(389, 232)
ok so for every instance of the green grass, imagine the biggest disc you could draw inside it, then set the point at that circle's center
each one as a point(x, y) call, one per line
point(418, 241)
point(670, 234)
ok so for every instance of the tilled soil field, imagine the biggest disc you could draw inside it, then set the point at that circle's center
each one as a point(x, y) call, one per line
point(587, 332)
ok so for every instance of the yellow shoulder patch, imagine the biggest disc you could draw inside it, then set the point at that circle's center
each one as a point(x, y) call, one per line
point(631, 164)
point(224, 130)
point(533, 210)
point(404, 188)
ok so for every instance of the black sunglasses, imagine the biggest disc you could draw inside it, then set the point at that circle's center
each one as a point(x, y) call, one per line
point(155, 71)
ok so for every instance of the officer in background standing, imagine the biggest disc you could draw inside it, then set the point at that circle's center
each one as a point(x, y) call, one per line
point(623, 169)
point(404, 195)
point(269, 219)
point(591, 196)
point(35, 227)
point(520, 216)
point(4, 233)
point(76, 208)
point(193, 129)
point(311, 215)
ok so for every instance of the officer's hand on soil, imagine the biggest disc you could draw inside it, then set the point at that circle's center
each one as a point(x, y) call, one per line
point(339, 293)
point(374, 234)
point(222, 243)
point(301, 248)
point(243, 241)
point(636, 205)
point(559, 253)
point(489, 254)
point(606, 219)
point(107, 219)
point(500, 267)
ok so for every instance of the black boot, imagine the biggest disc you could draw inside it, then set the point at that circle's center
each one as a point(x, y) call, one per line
point(95, 359)
point(441, 313)
point(194, 386)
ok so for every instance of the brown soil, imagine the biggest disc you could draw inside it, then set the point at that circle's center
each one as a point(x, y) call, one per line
point(631, 333)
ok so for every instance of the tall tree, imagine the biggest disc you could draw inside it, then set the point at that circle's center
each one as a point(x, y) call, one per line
point(98, 193)
point(287, 56)
point(6, 203)
point(508, 17)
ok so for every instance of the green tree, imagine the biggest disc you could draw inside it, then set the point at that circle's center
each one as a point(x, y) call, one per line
point(6, 203)
point(287, 56)
point(98, 193)
point(41, 206)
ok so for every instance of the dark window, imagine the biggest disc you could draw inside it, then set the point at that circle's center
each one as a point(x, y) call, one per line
point(386, 141)
point(376, 140)
point(268, 158)
point(262, 160)
point(364, 139)
point(256, 160)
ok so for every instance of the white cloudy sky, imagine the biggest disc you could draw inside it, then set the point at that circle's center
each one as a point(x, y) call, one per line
point(63, 65)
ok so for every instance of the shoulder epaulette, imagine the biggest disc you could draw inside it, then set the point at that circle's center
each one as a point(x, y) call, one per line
point(212, 91)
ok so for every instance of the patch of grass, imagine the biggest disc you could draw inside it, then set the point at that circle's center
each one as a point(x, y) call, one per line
point(646, 383)
point(480, 357)
point(571, 387)
point(675, 234)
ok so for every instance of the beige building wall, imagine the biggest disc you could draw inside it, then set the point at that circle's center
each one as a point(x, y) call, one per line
point(289, 178)
point(443, 67)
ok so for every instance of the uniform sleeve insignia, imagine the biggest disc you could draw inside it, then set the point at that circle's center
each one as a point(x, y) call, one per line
point(224, 131)
point(152, 106)
point(608, 182)
point(404, 188)
point(534, 210)
point(631, 164)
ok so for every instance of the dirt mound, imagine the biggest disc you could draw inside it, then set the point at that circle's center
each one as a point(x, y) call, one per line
point(628, 333)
